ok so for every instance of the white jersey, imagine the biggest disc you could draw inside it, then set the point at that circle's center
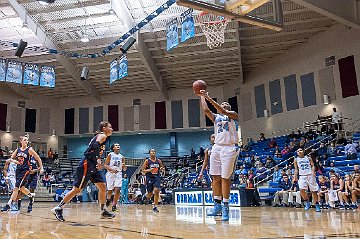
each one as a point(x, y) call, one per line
point(225, 130)
point(304, 166)
point(116, 161)
point(11, 170)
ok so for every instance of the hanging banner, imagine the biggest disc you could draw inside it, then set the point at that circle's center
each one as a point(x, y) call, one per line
point(187, 25)
point(2, 69)
point(123, 67)
point(31, 74)
point(172, 35)
point(47, 77)
point(113, 71)
point(14, 72)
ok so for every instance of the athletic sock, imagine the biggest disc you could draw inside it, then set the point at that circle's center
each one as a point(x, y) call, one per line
point(217, 199)
point(226, 201)
point(102, 207)
point(61, 204)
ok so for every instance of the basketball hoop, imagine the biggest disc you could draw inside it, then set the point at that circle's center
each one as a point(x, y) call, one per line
point(213, 26)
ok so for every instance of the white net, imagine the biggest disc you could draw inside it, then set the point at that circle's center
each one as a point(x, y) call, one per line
point(213, 27)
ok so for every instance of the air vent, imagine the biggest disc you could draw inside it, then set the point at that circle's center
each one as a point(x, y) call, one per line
point(330, 61)
point(137, 102)
point(21, 104)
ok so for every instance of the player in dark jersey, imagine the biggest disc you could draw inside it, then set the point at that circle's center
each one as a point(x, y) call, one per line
point(88, 170)
point(152, 167)
point(21, 157)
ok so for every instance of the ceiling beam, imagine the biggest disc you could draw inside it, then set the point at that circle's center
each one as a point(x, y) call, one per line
point(343, 11)
point(237, 36)
point(122, 10)
point(63, 7)
point(63, 60)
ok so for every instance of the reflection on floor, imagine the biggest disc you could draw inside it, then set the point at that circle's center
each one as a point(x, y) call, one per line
point(138, 221)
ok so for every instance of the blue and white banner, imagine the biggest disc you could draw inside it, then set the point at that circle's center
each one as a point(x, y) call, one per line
point(113, 71)
point(31, 74)
point(187, 25)
point(14, 72)
point(204, 198)
point(123, 67)
point(47, 77)
point(2, 69)
point(172, 34)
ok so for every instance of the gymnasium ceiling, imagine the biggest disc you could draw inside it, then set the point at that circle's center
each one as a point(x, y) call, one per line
point(151, 67)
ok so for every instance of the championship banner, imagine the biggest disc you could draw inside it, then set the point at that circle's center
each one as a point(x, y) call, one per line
point(172, 34)
point(2, 69)
point(113, 71)
point(47, 77)
point(14, 72)
point(123, 67)
point(31, 74)
point(187, 25)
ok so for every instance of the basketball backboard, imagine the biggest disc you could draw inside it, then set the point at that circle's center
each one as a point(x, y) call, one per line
point(237, 10)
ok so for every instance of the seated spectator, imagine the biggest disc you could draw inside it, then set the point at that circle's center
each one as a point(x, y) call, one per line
point(302, 144)
point(277, 174)
point(324, 186)
point(307, 144)
point(341, 140)
point(292, 146)
point(46, 181)
point(351, 150)
point(356, 168)
point(336, 187)
point(333, 169)
point(299, 134)
point(250, 179)
point(285, 151)
point(321, 137)
point(262, 137)
point(332, 150)
point(291, 135)
point(272, 143)
point(260, 171)
point(270, 163)
point(277, 153)
point(294, 192)
point(285, 186)
point(242, 181)
point(355, 192)
point(322, 152)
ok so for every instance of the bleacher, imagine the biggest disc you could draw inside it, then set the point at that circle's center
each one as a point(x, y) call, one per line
point(268, 189)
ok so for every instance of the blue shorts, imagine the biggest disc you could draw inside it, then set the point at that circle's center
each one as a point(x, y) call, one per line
point(22, 178)
point(152, 182)
point(32, 182)
point(86, 171)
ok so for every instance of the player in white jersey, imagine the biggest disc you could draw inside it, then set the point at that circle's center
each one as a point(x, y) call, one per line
point(114, 165)
point(223, 153)
point(304, 167)
point(9, 173)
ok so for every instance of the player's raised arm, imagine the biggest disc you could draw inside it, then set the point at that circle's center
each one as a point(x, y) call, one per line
point(206, 109)
point(219, 108)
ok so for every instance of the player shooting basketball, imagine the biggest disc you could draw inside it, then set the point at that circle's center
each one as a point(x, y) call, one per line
point(223, 153)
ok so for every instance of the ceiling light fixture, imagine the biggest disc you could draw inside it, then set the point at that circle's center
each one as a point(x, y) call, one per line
point(45, 2)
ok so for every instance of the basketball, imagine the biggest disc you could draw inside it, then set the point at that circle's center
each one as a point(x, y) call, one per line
point(199, 85)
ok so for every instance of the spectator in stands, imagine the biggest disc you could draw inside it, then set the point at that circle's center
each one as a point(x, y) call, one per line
point(250, 179)
point(307, 144)
point(262, 137)
point(356, 168)
point(321, 136)
point(292, 146)
point(272, 143)
point(277, 174)
point(242, 181)
point(291, 135)
point(202, 153)
point(46, 181)
point(299, 134)
point(322, 152)
point(333, 169)
point(351, 150)
point(260, 171)
point(348, 181)
point(301, 144)
point(277, 153)
point(50, 154)
point(336, 119)
point(332, 150)
point(250, 142)
point(285, 186)
point(355, 193)
point(285, 151)
point(3, 185)
point(341, 140)
point(93, 192)
point(323, 194)
point(294, 192)
point(247, 161)
point(337, 186)
point(270, 163)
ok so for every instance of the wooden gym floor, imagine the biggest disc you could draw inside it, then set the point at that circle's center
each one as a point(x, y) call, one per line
point(138, 221)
